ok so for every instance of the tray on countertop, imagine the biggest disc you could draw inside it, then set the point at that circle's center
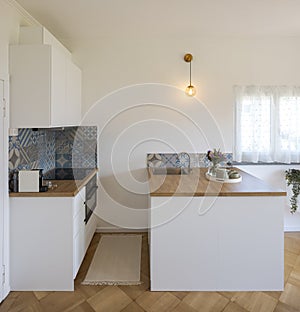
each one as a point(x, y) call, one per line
point(210, 177)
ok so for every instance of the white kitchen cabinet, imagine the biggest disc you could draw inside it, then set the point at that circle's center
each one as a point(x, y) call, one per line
point(48, 241)
point(67, 76)
point(45, 87)
point(82, 232)
point(237, 245)
point(73, 93)
point(90, 230)
point(78, 231)
point(40, 35)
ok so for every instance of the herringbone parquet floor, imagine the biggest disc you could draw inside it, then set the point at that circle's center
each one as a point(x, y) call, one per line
point(139, 298)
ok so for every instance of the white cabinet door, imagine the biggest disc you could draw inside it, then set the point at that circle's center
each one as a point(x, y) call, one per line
point(90, 229)
point(41, 245)
point(251, 243)
point(59, 111)
point(40, 35)
point(45, 87)
point(30, 70)
point(79, 251)
point(217, 244)
point(48, 241)
point(73, 94)
point(184, 253)
point(78, 230)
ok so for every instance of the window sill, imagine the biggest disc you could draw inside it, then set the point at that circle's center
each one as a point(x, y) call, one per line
point(260, 163)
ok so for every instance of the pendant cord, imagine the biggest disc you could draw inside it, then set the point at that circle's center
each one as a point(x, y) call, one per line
point(190, 73)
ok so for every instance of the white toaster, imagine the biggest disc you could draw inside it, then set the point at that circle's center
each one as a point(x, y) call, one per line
point(29, 180)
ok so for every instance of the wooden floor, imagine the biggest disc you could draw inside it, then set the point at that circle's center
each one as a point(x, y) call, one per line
point(139, 298)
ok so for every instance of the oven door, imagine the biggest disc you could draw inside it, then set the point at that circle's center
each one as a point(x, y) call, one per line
point(91, 198)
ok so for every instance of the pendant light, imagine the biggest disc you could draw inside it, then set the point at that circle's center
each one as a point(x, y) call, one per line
point(190, 89)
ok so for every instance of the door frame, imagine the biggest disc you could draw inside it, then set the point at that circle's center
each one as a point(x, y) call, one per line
point(4, 244)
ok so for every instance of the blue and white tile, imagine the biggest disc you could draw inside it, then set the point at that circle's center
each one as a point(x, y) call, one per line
point(37, 137)
point(29, 153)
point(14, 159)
point(46, 148)
point(24, 136)
point(170, 160)
point(184, 159)
point(90, 133)
point(24, 158)
point(14, 143)
point(63, 161)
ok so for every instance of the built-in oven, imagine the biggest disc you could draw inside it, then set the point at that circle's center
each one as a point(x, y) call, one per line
point(90, 198)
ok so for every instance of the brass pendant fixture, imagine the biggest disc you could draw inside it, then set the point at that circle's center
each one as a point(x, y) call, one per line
point(190, 89)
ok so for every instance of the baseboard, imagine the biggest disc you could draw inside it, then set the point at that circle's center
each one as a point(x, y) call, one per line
point(292, 229)
point(113, 229)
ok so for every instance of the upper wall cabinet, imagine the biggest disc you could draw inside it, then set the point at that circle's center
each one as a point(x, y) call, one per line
point(40, 35)
point(45, 83)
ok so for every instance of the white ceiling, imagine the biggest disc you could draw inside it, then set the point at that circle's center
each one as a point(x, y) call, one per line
point(78, 19)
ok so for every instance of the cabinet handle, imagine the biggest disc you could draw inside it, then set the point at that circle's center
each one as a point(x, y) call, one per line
point(4, 108)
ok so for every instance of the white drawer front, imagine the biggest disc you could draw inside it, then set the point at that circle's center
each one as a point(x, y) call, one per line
point(78, 251)
point(90, 230)
point(78, 222)
point(79, 202)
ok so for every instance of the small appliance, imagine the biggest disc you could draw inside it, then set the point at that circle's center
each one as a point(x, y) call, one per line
point(30, 180)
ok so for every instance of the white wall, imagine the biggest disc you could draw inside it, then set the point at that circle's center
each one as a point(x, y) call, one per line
point(275, 175)
point(110, 63)
point(133, 122)
point(11, 16)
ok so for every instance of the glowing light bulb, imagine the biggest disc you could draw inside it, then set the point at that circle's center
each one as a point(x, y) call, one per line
point(190, 90)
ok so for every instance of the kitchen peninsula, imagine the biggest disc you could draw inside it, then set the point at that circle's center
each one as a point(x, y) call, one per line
point(212, 236)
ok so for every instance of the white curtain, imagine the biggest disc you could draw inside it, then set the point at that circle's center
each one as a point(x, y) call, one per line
point(267, 124)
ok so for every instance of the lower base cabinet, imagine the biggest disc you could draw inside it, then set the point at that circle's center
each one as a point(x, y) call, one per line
point(217, 243)
point(49, 239)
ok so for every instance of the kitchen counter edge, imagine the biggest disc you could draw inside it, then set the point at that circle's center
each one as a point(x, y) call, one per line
point(65, 188)
point(195, 184)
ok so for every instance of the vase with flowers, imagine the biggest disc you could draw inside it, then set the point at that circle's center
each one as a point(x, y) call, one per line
point(215, 157)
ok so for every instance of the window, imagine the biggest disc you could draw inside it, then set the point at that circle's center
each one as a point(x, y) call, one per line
point(267, 124)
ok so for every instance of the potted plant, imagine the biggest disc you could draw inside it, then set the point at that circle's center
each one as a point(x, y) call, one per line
point(215, 157)
point(292, 177)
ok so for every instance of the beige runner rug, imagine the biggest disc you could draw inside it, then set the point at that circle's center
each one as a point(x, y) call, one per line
point(117, 261)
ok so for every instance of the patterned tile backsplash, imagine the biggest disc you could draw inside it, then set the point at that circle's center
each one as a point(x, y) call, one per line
point(71, 147)
point(172, 160)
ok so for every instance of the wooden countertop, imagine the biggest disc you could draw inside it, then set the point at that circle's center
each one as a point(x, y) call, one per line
point(65, 188)
point(196, 184)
